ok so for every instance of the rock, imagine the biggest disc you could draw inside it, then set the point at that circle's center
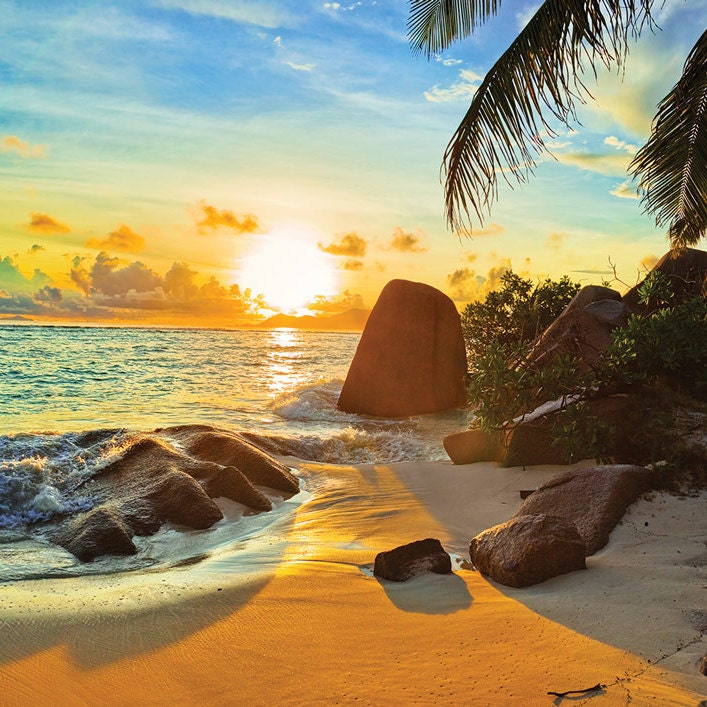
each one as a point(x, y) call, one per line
point(406, 561)
point(687, 271)
point(528, 549)
point(228, 449)
point(169, 477)
point(101, 531)
point(703, 665)
point(472, 446)
point(530, 442)
point(594, 499)
point(411, 358)
point(583, 329)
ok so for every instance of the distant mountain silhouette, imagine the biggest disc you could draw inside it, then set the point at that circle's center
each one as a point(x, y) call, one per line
point(351, 320)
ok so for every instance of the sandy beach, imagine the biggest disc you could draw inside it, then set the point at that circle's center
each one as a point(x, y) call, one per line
point(307, 623)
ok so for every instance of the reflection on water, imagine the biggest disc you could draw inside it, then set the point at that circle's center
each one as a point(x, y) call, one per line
point(283, 371)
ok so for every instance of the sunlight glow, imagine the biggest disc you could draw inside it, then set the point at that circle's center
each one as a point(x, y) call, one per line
point(288, 270)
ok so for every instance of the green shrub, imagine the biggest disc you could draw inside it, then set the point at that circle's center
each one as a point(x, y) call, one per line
point(516, 313)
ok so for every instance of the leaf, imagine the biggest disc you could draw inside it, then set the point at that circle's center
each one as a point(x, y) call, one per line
point(672, 165)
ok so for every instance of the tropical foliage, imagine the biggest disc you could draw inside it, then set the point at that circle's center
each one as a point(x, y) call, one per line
point(538, 82)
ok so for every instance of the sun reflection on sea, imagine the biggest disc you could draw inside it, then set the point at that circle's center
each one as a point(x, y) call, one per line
point(281, 372)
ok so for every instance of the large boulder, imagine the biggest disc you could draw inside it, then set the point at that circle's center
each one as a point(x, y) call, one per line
point(528, 549)
point(594, 499)
point(411, 358)
point(406, 561)
point(687, 271)
point(583, 329)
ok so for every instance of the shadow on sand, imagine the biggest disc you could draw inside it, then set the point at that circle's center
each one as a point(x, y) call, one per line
point(429, 594)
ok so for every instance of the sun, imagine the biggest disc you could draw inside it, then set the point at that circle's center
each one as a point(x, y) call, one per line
point(288, 270)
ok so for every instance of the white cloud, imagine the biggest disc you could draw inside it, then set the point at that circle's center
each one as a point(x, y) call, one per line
point(620, 145)
point(299, 67)
point(447, 61)
point(525, 15)
point(463, 89)
point(342, 8)
point(625, 191)
point(263, 13)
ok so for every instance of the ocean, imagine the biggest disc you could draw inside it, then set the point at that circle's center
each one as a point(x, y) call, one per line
point(62, 386)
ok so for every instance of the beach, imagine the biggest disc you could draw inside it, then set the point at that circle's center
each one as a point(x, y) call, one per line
point(305, 622)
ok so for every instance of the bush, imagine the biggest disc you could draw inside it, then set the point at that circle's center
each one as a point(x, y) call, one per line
point(515, 314)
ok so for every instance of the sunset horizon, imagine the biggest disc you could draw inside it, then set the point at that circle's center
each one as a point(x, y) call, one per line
point(215, 164)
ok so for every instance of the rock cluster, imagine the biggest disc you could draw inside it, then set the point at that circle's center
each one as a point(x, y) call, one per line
point(556, 527)
point(171, 476)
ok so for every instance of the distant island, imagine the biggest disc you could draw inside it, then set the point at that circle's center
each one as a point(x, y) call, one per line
point(351, 320)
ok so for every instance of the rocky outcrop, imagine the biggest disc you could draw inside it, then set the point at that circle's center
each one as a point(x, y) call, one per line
point(594, 499)
point(406, 561)
point(530, 442)
point(528, 549)
point(171, 476)
point(583, 329)
point(411, 357)
point(687, 272)
point(474, 445)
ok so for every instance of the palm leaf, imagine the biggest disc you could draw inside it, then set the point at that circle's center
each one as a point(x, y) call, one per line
point(672, 165)
point(537, 80)
point(434, 24)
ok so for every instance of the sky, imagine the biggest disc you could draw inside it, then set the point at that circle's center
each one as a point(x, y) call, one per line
point(212, 162)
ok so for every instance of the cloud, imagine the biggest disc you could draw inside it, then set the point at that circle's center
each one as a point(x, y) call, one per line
point(13, 281)
point(261, 13)
point(43, 223)
point(649, 262)
point(620, 145)
point(122, 239)
point(406, 242)
point(299, 67)
point(341, 303)
point(213, 219)
point(351, 245)
point(462, 90)
point(106, 277)
point(625, 190)
point(613, 165)
point(36, 248)
point(447, 61)
point(352, 265)
point(12, 143)
point(493, 229)
point(555, 241)
point(337, 6)
point(465, 285)
point(48, 294)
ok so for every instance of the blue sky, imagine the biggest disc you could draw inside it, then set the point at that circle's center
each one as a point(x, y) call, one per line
point(123, 122)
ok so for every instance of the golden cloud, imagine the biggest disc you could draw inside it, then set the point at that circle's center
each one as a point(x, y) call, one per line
point(555, 241)
point(465, 285)
point(12, 143)
point(406, 242)
point(43, 223)
point(352, 265)
point(351, 245)
point(214, 218)
point(122, 239)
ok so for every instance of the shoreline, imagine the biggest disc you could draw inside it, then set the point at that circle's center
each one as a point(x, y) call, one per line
point(314, 628)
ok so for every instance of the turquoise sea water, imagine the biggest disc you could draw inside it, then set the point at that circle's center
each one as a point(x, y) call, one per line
point(280, 387)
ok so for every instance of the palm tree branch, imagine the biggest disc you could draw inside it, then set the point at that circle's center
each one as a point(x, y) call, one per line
point(434, 24)
point(537, 80)
point(672, 165)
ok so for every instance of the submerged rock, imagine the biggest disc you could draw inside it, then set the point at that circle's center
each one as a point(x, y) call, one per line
point(594, 499)
point(411, 357)
point(407, 561)
point(528, 549)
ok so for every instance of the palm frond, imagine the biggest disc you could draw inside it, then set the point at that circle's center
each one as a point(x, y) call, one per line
point(537, 80)
point(434, 24)
point(672, 165)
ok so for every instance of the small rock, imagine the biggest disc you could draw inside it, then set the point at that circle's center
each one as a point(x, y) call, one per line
point(406, 561)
